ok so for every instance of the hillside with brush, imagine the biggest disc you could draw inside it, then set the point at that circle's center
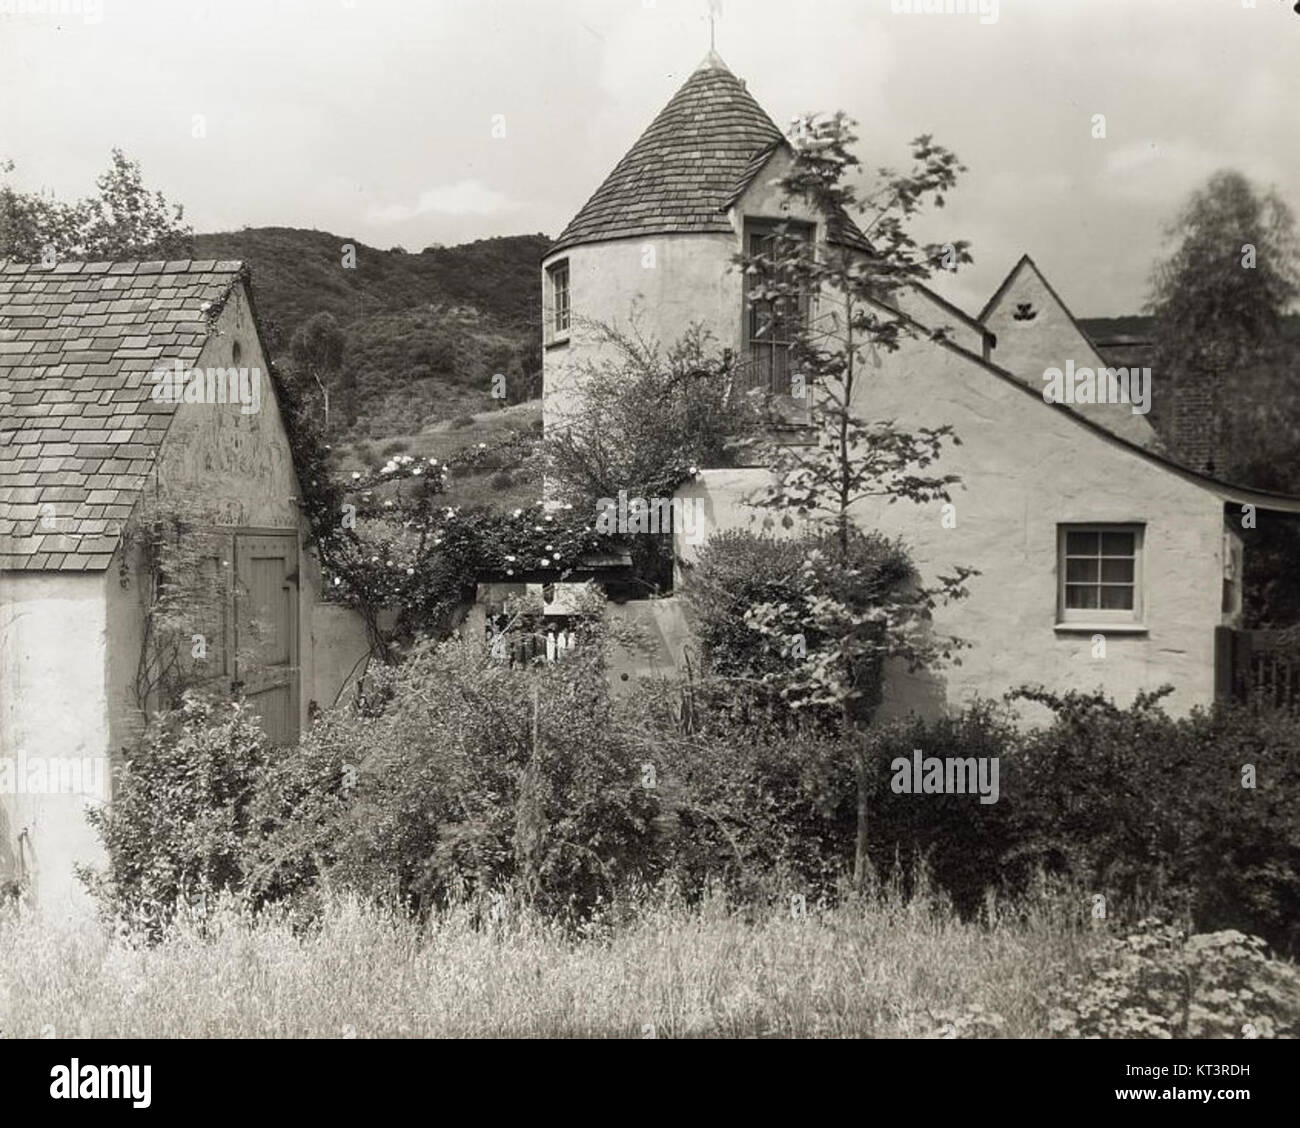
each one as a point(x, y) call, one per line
point(424, 332)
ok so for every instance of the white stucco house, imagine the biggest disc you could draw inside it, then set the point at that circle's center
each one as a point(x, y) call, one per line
point(1103, 562)
point(86, 439)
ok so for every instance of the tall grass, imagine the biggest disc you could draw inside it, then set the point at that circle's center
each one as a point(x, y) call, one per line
point(879, 966)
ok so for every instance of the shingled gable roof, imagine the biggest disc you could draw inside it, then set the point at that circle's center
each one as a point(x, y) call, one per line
point(694, 161)
point(78, 427)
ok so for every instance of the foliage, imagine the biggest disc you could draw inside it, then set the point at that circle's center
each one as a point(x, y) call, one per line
point(1219, 317)
point(485, 966)
point(179, 824)
point(1270, 594)
point(317, 348)
point(784, 612)
point(1158, 982)
point(386, 541)
point(183, 576)
point(963, 842)
point(736, 570)
point(645, 422)
point(1212, 312)
point(752, 801)
point(424, 333)
point(842, 301)
point(123, 221)
point(468, 775)
point(1148, 810)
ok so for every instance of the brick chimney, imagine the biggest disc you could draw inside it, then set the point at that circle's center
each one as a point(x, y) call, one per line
point(1194, 427)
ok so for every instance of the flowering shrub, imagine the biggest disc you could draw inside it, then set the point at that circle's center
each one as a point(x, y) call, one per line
point(1159, 983)
point(385, 541)
point(972, 1021)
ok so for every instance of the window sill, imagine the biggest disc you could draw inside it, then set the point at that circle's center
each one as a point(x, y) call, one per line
point(557, 342)
point(1101, 628)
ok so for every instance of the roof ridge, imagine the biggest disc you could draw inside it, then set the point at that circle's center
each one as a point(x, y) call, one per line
point(125, 266)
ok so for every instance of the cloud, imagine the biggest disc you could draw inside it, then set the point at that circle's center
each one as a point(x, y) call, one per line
point(1155, 171)
point(466, 197)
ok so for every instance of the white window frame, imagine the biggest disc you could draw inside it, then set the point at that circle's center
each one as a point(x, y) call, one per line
point(554, 311)
point(1112, 618)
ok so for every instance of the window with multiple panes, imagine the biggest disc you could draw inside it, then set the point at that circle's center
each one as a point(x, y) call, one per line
point(772, 325)
point(558, 276)
point(1100, 573)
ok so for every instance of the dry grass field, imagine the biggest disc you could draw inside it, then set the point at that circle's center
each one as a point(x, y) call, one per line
point(887, 969)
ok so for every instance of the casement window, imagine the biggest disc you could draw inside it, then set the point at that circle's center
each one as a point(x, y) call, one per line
point(1100, 571)
point(557, 282)
point(771, 326)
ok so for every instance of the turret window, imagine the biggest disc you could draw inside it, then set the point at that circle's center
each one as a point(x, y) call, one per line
point(558, 299)
point(771, 325)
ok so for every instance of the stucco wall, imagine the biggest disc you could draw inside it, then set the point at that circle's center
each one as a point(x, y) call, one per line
point(608, 285)
point(660, 283)
point(53, 704)
point(238, 470)
point(339, 647)
point(664, 283)
point(70, 643)
point(1049, 340)
point(1027, 467)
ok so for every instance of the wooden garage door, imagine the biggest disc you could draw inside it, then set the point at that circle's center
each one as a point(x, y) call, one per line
point(266, 629)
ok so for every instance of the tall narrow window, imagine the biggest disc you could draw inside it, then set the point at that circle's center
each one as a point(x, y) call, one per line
point(559, 286)
point(1101, 573)
point(771, 325)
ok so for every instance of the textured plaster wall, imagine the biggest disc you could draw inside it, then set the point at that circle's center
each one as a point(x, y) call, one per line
point(1028, 348)
point(609, 284)
point(238, 469)
point(664, 283)
point(54, 641)
point(1026, 467)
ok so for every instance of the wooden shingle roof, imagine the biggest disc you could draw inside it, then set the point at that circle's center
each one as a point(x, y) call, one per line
point(694, 161)
point(79, 430)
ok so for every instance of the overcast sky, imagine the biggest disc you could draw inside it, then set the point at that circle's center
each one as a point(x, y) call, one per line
point(374, 119)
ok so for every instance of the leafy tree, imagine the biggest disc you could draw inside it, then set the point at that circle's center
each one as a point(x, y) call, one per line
point(317, 352)
point(645, 420)
point(125, 221)
point(846, 306)
point(122, 221)
point(1219, 299)
point(33, 225)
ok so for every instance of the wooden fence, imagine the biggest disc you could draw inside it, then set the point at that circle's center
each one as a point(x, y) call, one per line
point(527, 647)
point(1260, 667)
